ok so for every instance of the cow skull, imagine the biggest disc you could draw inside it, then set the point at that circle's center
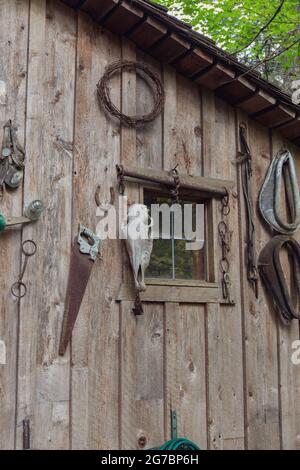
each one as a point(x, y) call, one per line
point(139, 242)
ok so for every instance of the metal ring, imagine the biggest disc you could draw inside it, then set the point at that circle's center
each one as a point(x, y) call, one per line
point(28, 252)
point(18, 286)
point(226, 209)
point(222, 228)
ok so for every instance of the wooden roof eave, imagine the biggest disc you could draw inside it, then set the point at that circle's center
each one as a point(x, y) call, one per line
point(198, 58)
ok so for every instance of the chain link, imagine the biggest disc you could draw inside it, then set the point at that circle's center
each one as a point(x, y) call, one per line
point(121, 179)
point(175, 190)
point(225, 237)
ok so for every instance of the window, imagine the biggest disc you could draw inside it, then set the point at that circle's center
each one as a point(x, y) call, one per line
point(175, 255)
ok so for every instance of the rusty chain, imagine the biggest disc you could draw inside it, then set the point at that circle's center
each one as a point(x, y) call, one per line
point(121, 179)
point(176, 186)
point(225, 237)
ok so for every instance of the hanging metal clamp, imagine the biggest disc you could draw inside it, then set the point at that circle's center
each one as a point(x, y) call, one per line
point(32, 213)
point(12, 159)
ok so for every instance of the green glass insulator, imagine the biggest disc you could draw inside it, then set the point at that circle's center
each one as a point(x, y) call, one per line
point(2, 222)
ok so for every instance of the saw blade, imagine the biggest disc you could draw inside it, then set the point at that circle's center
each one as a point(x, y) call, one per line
point(83, 255)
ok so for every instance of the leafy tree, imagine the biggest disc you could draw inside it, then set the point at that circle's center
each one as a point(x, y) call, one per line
point(252, 30)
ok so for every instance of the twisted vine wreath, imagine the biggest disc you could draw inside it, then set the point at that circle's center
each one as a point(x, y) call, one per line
point(143, 71)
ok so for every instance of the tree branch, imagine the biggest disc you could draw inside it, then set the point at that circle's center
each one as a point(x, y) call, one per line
point(278, 10)
point(273, 56)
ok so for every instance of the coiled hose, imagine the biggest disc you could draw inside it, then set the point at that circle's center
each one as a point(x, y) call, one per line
point(178, 444)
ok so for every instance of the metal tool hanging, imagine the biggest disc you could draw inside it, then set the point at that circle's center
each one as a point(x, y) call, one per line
point(245, 160)
point(32, 213)
point(19, 288)
point(12, 159)
point(282, 168)
point(85, 251)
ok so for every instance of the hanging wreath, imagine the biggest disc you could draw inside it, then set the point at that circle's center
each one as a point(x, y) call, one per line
point(143, 71)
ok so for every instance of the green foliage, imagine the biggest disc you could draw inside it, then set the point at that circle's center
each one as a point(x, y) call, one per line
point(232, 24)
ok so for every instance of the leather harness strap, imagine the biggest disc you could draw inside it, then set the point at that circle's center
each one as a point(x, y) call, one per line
point(83, 255)
point(281, 167)
point(246, 174)
point(271, 271)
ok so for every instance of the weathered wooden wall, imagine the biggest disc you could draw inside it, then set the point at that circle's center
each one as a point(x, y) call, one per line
point(227, 370)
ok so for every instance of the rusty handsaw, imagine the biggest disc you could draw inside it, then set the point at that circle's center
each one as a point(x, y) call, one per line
point(84, 253)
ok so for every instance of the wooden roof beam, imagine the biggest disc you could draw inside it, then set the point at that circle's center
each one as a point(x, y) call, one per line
point(92, 8)
point(122, 18)
point(215, 74)
point(193, 62)
point(274, 115)
point(147, 33)
point(236, 91)
point(291, 129)
point(169, 48)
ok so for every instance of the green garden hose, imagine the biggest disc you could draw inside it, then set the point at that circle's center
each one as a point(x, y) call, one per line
point(178, 444)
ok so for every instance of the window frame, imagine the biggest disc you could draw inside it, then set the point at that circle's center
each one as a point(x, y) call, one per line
point(160, 290)
point(193, 196)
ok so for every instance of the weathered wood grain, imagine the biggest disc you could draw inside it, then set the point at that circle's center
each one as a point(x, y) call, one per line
point(14, 17)
point(223, 323)
point(142, 398)
point(186, 370)
point(168, 293)
point(43, 377)
point(185, 358)
point(95, 342)
point(142, 377)
point(260, 328)
point(226, 370)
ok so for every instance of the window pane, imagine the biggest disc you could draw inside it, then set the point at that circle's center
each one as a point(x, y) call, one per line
point(189, 264)
point(161, 260)
point(176, 258)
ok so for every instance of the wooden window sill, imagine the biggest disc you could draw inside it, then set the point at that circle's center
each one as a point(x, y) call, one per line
point(159, 290)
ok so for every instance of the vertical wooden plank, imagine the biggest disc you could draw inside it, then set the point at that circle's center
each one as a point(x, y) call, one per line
point(185, 370)
point(142, 391)
point(43, 377)
point(184, 324)
point(260, 324)
point(142, 377)
point(223, 323)
point(95, 340)
point(182, 124)
point(14, 17)
point(289, 377)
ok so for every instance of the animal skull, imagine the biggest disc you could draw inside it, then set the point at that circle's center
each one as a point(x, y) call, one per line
point(139, 242)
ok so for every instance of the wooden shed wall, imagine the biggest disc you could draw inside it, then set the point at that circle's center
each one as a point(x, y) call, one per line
point(226, 370)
